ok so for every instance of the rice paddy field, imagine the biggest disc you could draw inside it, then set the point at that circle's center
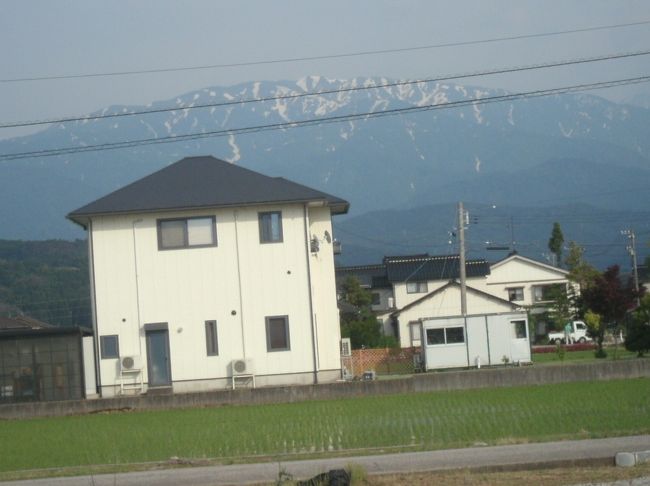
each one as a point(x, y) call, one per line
point(360, 425)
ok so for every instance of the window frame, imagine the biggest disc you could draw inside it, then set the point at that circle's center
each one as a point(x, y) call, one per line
point(376, 298)
point(544, 289)
point(186, 244)
point(102, 346)
point(445, 336)
point(211, 338)
point(517, 291)
point(422, 287)
point(524, 327)
point(287, 335)
point(260, 217)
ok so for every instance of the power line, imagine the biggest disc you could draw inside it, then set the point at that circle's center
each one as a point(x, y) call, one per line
point(327, 56)
point(324, 120)
point(446, 77)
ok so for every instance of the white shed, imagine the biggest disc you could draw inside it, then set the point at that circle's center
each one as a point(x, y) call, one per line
point(476, 340)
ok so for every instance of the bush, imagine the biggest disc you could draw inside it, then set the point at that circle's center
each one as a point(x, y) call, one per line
point(600, 353)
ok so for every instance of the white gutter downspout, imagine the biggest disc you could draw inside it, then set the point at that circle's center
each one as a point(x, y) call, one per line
point(311, 303)
point(137, 283)
point(241, 298)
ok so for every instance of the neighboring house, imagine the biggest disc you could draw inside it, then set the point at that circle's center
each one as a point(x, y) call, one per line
point(416, 287)
point(40, 362)
point(525, 281)
point(403, 282)
point(204, 271)
point(444, 302)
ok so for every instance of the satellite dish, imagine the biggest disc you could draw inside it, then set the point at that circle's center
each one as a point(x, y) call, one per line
point(328, 237)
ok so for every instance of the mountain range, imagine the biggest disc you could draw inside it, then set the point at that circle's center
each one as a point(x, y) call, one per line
point(563, 151)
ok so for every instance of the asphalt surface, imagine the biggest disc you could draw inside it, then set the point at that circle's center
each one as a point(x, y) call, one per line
point(533, 455)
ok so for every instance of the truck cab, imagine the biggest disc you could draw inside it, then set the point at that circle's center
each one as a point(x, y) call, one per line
point(578, 334)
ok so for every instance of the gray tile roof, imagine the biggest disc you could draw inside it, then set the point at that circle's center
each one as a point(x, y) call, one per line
point(413, 268)
point(419, 268)
point(203, 182)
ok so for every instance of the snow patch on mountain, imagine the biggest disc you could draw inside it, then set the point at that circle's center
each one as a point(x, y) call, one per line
point(236, 152)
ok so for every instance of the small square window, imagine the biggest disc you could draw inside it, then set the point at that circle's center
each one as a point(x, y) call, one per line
point(270, 227)
point(211, 339)
point(110, 346)
point(515, 293)
point(519, 329)
point(277, 333)
point(376, 298)
point(416, 287)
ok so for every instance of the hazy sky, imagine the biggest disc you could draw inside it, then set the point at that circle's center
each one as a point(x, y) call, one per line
point(43, 38)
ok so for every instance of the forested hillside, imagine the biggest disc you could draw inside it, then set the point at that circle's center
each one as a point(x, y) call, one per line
point(47, 280)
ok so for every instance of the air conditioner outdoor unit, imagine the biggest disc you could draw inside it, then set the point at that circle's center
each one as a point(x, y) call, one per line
point(130, 363)
point(346, 347)
point(242, 367)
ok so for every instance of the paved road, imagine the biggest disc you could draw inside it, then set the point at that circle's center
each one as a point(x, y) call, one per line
point(523, 454)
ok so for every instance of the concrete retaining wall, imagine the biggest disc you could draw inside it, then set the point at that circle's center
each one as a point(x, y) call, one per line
point(436, 381)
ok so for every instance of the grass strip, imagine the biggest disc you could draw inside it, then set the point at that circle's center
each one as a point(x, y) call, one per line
point(421, 421)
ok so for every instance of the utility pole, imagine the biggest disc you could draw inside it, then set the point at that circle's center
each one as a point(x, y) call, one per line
point(631, 249)
point(461, 262)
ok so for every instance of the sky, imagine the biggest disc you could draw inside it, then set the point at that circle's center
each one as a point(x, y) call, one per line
point(46, 38)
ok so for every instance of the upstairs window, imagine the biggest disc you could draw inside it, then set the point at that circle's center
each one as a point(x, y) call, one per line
point(186, 233)
point(376, 298)
point(270, 227)
point(416, 287)
point(515, 294)
point(548, 293)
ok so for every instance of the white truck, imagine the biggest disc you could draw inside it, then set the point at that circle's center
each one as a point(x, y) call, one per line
point(578, 334)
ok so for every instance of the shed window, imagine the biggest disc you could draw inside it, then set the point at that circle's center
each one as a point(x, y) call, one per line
point(446, 335)
point(519, 329)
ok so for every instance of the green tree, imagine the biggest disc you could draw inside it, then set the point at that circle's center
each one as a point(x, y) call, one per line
point(637, 337)
point(555, 243)
point(609, 298)
point(596, 330)
point(357, 320)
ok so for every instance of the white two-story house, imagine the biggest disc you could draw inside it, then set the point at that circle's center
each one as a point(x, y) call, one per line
point(204, 272)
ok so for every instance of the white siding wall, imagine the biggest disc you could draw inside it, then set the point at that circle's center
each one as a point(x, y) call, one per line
point(186, 287)
point(446, 303)
point(520, 273)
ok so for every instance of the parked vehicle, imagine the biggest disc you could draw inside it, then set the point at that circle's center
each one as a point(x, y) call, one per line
point(578, 334)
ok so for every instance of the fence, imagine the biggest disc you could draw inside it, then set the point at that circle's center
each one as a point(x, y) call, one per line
point(387, 361)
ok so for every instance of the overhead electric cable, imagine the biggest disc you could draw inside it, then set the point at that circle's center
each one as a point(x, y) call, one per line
point(327, 56)
point(446, 77)
point(324, 120)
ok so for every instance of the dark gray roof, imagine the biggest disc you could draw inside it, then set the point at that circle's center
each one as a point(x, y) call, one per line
point(416, 268)
point(203, 182)
point(21, 322)
point(413, 268)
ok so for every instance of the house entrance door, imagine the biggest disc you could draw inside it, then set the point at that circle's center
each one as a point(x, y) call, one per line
point(158, 362)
